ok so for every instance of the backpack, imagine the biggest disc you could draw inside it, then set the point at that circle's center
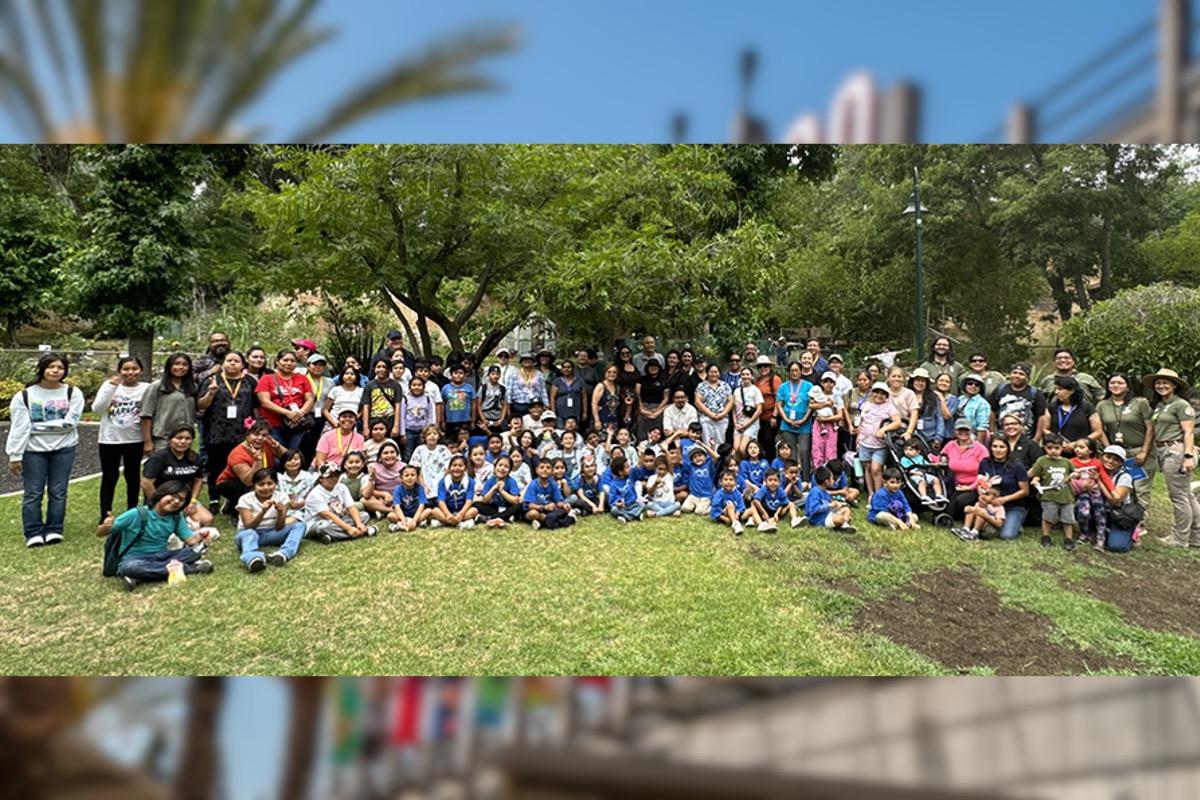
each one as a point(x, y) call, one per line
point(1128, 516)
point(25, 395)
point(114, 553)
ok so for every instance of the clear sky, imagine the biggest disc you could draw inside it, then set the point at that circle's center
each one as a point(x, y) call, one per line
point(618, 71)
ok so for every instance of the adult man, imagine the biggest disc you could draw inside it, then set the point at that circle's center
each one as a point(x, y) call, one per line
point(977, 363)
point(1064, 365)
point(680, 414)
point(941, 361)
point(649, 347)
point(768, 383)
point(209, 364)
point(394, 344)
point(781, 350)
point(586, 372)
point(1017, 397)
point(820, 364)
point(750, 353)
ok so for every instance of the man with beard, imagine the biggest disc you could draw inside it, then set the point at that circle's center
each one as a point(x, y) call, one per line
point(1064, 366)
point(1020, 399)
point(204, 369)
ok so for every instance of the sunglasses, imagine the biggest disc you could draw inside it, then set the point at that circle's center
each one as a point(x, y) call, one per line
point(978, 360)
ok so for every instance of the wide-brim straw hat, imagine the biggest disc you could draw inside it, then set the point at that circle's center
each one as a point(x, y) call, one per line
point(1166, 374)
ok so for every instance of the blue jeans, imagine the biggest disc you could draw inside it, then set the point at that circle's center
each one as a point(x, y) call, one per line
point(662, 508)
point(290, 438)
point(1014, 515)
point(628, 512)
point(45, 473)
point(153, 567)
point(412, 440)
point(287, 539)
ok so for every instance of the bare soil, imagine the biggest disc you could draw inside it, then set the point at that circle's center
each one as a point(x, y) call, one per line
point(1154, 593)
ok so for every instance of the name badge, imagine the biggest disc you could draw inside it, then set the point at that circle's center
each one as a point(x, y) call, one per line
point(570, 402)
point(293, 407)
point(231, 412)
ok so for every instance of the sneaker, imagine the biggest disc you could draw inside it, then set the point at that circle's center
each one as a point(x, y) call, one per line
point(256, 564)
point(1069, 545)
point(848, 528)
point(277, 559)
point(926, 500)
point(1099, 547)
point(1046, 541)
point(466, 525)
point(433, 523)
point(798, 521)
point(371, 530)
point(621, 520)
point(764, 526)
point(214, 507)
point(53, 538)
point(573, 513)
point(34, 541)
point(680, 514)
point(538, 523)
point(324, 538)
point(494, 522)
point(199, 567)
point(129, 584)
point(969, 535)
point(395, 527)
point(1169, 542)
point(737, 528)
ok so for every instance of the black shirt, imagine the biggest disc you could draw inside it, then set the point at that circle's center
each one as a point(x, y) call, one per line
point(654, 390)
point(1072, 425)
point(163, 466)
point(218, 427)
point(1029, 404)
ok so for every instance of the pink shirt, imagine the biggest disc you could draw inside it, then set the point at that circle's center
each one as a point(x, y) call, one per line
point(964, 463)
point(335, 444)
point(874, 416)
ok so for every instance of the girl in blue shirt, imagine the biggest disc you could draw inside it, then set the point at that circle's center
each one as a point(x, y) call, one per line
point(500, 498)
point(753, 470)
point(456, 496)
point(587, 491)
point(410, 507)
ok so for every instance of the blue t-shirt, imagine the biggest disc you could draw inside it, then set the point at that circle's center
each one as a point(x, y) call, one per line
point(679, 475)
point(591, 490)
point(700, 477)
point(894, 503)
point(794, 400)
point(409, 500)
point(754, 471)
point(620, 489)
point(542, 494)
point(777, 465)
point(640, 473)
point(816, 507)
point(455, 495)
point(722, 498)
point(509, 485)
point(772, 500)
point(458, 402)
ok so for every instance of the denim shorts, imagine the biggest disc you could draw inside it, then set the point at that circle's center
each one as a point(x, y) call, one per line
point(876, 454)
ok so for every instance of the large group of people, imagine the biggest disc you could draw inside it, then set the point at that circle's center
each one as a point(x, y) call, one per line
point(294, 449)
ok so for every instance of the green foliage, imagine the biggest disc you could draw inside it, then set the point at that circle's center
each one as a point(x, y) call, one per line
point(1139, 331)
point(9, 388)
point(251, 320)
point(1175, 254)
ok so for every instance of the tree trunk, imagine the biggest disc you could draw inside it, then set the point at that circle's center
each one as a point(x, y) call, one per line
point(303, 734)
point(1106, 290)
point(1058, 290)
point(423, 329)
point(141, 345)
point(12, 326)
point(196, 776)
point(1081, 291)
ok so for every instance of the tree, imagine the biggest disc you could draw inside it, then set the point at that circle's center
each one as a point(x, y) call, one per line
point(199, 768)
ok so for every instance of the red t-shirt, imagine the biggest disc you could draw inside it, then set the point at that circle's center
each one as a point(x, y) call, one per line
point(285, 393)
point(242, 455)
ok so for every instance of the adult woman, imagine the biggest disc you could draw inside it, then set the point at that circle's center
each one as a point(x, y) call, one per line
point(627, 372)
point(948, 402)
point(629, 412)
point(256, 363)
point(1070, 415)
point(525, 386)
point(381, 399)
point(345, 395)
point(685, 377)
point(545, 365)
point(256, 451)
point(768, 384)
point(808, 371)
point(178, 462)
point(1011, 481)
point(963, 455)
point(169, 403)
point(795, 419)
point(931, 409)
point(41, 447)
point(748, 410)
point(714, 401)
point(285, 397)
point(878, 417)
point(1124, 507)
point(566, 395)
point(228, 405)
point(672, 364)
point(904, 400)
point(1174, 422)
point(1125, 421)
point(606, 401)
point(859, 394)
point(119, 404)
point(652, 397)
point(874, 372)
point(1025, 451)
point(315, 421)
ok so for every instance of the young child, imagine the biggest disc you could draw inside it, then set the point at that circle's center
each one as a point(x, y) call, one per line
point(783, 454)
point(700, 483)
point(587, 493)
point(533, 420)
point(294, 480)
point(842, 490)
point(1049, 476)
point(355, 477)
point(653, 443)
point(544, 506)
point(569, 451)
point(329, 510)
point(983, 520)
point(644, 469)
point(889, 507)
point(410, 508)
point(456, 497)
point(431, 457)
point(793, 485)
point(495, 447)
point(917, 466)
point(822, 509)
point(729, 507)
point(771, 503)
point(660, 491)
point(558, 473)
point(384, 478)
point(1089, 500)
point(595, 448)
point(378, 435)
point(625, 442)
point(512, 437)
point(752, 470)
point(620, 491)
point(500, 499)
point(263, 520)
point(521, 472)
point(827, 404)
point(478, 466)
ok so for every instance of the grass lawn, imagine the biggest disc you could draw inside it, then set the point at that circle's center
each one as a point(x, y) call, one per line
point(677, 596)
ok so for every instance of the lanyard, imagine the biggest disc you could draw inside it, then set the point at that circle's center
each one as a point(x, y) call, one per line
point(233, 393)
point(339, 438)
point(262, 452)
point(1062, 418)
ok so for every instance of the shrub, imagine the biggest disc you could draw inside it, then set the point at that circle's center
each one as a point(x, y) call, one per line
point(9, 388)
point(1138, 331)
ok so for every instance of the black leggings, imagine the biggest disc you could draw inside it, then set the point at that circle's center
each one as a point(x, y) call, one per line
point(959, 502)
point(218, 459)
point(111, 458)
point(231, 491)
point(491, 511)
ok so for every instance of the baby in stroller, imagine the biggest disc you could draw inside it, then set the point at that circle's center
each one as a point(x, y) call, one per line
point(923, 474)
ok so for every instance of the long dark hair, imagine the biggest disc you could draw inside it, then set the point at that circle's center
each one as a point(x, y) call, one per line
point(949, 349)
point(187, 384)
point(44, 363)
point(1067, 382)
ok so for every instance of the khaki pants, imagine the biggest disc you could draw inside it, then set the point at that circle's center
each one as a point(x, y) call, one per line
point(696, 505)
point(1184, 505)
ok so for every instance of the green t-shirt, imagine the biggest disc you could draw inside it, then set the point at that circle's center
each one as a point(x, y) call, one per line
point(954, 370)
point(1167, 418)
point(1125, 424)
point(1092, 390)
point(158, 531)
point(1054, 472)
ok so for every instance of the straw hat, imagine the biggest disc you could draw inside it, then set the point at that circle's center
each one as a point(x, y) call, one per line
point(1181, 386)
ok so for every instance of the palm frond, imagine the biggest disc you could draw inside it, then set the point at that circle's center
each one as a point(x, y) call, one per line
point(443, 69)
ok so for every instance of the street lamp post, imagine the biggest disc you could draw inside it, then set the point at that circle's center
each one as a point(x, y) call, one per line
point(915, 208)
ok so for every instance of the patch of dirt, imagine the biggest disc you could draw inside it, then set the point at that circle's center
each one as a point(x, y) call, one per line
point(763, 553)
point(951, 617)
point(844, 585)
point(1157, 594)
point(1049, 569)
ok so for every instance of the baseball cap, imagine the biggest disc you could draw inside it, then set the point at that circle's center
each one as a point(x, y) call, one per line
point(1115, 450)
point(308, 344)
point(836, 357)
point(504, 351)
point(317, 358)
point(548, 415)
point(962, 423)
point(879, 386)
point(829, 376)
point(394, 334)
point(1023, 367)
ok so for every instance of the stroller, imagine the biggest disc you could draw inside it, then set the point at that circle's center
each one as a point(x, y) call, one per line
point(935, 505)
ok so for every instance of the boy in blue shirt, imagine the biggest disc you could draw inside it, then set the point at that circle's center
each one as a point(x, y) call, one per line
point(889, 507)
point(544, 506)
point(821, 508)
point(458, 398)
point(700, 483)
point(792, 484)
point(621, 492)
point(728, 507)
point(842, 490)
point(644, 468)
point(771, 503)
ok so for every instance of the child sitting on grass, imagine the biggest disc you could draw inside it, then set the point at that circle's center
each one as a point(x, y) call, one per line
point(587, 490)
point(984, 519)
point(620, 491)
point(842, 490)
point(1049, 476)
point(700, 483)
point(456, 496)
point(728, 506)
point(771, 503)
point(822, 508)
point(329, 509)
point(889, 507)
point(544, 506)
point(660, 491)
point(410, 508)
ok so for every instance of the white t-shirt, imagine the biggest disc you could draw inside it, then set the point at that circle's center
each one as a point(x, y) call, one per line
point(661, 489)
point(120, 410)
point(817, 395)
point(345, 400)
point(251, 502)
point(746, 397)
point(337, 500)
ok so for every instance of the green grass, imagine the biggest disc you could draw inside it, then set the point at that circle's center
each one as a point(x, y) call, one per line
point(660, 597)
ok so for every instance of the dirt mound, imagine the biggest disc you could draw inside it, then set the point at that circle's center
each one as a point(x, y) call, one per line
point(953, 618)
point(1154, 593)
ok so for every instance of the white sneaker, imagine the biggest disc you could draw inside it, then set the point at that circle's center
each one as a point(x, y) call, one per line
point(35, 541)
point(797, 521)
point(372, 530)
point(737, 528)
point(772, 526)
point(395, 527)
point(764, 526)
point(53, 538)
point(537, 523)
point(573, 513)
point(466, 525)
point(433, 523)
